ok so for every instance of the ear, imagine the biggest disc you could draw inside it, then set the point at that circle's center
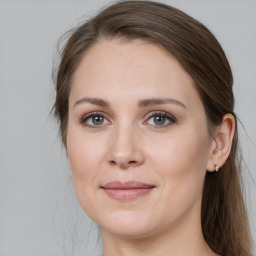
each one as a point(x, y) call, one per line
point(222, 142)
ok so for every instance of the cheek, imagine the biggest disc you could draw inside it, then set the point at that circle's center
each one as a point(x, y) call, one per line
point(80, 157)
point(83, 156)
point(181, 153)
point(181, 163)
point(83, 152)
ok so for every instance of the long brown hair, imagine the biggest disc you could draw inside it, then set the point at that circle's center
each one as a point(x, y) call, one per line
point(223, 215)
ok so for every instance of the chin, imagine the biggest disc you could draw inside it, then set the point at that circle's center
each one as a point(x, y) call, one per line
point(128, 224)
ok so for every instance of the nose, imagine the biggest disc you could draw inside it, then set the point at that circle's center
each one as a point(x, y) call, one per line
point(125, 149)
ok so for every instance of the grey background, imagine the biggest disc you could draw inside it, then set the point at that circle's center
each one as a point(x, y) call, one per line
point(39, 214)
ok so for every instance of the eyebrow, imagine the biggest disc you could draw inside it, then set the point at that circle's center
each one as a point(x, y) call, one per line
point(160, 101)
point(142, 103)
point(94, 101)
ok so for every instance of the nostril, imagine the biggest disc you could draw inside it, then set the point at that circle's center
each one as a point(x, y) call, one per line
point(112, 162)
point(123, 164)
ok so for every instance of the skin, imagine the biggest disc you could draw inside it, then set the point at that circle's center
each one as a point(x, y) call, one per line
point(130, 145)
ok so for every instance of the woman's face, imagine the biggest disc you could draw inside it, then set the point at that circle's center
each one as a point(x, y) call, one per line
point(137, 139)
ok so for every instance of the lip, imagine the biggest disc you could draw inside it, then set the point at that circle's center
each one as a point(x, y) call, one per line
point(127, 191)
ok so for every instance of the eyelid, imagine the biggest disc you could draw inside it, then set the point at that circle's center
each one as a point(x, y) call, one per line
point(165, 114)
point(92, 114)
point(160, 112)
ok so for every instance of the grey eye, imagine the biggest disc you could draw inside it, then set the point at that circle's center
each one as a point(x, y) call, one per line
point(94, 120)
point(159, 120)
point(97, 120)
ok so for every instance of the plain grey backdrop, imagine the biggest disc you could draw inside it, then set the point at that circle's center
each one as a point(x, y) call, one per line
point(39, 214)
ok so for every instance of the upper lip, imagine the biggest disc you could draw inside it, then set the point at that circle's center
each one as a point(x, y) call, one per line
point(127, 185)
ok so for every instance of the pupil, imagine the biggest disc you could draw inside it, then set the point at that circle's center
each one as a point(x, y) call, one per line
point(97, 120)
point(159, 120)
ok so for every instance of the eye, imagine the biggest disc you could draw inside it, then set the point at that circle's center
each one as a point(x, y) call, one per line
point(94, 119)
point(160, 119)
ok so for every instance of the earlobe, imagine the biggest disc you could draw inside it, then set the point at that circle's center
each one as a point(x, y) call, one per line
point(222, 143)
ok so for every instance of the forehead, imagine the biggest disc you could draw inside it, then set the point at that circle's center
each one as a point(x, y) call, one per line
point(137, 69)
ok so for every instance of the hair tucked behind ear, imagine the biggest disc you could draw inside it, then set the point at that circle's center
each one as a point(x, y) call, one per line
point(224, 218)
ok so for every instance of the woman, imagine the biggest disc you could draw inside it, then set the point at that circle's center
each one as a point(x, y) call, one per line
point(145, 103)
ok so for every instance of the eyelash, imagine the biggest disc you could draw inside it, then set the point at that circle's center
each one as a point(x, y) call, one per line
point(86, 117)
point(165, 115)
point(171, 119)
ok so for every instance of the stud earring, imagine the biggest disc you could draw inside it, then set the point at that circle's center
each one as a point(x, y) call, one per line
point(217, 168)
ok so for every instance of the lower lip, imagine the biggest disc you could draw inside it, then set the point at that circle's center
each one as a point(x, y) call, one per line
point(127, 194)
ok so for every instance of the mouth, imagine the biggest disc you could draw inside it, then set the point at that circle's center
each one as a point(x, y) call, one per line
point(127, 191)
